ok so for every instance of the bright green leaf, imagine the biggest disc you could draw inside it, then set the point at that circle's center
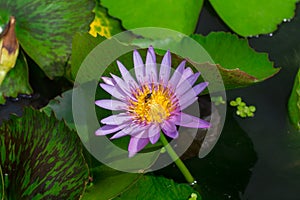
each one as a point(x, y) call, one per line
point(45, 29)
point(108, 183)
point(253, 17)
point(239, 64)
point(150, 187)
point(294, 103)
point(83, 44)
point(47, 155)
point(181, 15)
point(16, 81)
point(103, 24)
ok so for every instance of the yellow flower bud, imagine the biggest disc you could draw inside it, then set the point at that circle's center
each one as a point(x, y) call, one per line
point(9, 48)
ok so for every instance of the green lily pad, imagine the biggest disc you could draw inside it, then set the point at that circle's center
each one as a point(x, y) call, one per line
point(45, 29)
point(83, 44)
point(294, 103)
point(151, 187)
point(61, 106)
point(47, 155)
point(16, 81)
point(256, 16)
point(109, 183)
point(238, 64)
point(103, 24)
point(181, 15)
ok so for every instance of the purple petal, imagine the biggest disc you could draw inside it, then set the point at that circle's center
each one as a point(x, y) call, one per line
point(129, 130)
point(138, 67)
point(186, 101)
point(126, 75)
point(165, 68)
point(193, 78)
point(184, 87)
point(107, 80)
point(151, 69)
point(200, 87)
point(177, 75)
point(113, 91)
point(108, 129)
point(187, 120)
point(121, 84)
point(169, 129)
point(190, 97)
point(153, 133)
point(116, 119)
point(110, 104)
point(186, 73)
point(155, 138)
point(136, 144)
point(152, 53)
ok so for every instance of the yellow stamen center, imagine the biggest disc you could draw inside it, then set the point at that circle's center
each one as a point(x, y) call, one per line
point(152, 104)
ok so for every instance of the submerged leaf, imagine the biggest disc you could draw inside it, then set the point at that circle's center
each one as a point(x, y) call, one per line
point(16, 81)
point(294, 103)
point(45, 29)
point(256, 16)
point(42, 158)
point(181, 15)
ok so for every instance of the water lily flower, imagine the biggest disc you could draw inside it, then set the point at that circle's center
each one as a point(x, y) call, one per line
point(151, 102)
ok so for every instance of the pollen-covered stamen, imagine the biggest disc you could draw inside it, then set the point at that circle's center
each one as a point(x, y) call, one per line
point(153, 103)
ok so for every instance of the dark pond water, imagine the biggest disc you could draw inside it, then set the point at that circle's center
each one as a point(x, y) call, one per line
point(257, 158)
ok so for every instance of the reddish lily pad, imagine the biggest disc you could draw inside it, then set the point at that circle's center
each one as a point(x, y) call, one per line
point(42, 158)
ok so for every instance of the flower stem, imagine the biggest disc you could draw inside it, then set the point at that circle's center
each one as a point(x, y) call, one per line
point(186, 173)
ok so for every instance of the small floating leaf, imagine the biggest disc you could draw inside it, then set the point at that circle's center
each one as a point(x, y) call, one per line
point(242, 109)
point(42, 158)
point(256, 16)
point(294, 103)
point(181, 15)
